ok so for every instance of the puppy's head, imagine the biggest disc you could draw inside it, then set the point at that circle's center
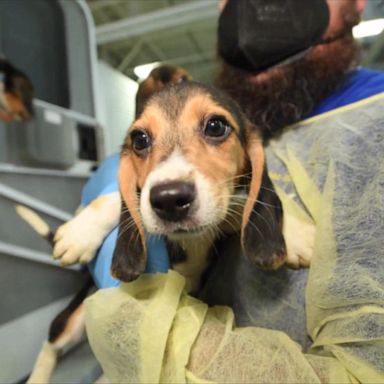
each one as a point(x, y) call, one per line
point(16, 93)
point(193, 166)
point(158, 79)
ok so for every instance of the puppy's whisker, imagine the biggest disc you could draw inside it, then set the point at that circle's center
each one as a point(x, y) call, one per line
point(271, 215)
point(137, 238)
point(124, 231)
point(217, 229)
point(128, 221)
point(267, 205)
point(134, 209)
point(127, 225)
point(233, 213)
point(212, 233)
point(234, 204)
point(268, 189)
point(234, 178)
point(231, 224)
point(244, 175)
point(257, 229)
point(264, 219)
point(237, 196)
point(134, 199)
point(233, 184)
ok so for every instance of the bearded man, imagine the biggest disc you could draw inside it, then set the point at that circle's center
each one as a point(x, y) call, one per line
point(293, 66)
point(282, 69)
point(285, 61)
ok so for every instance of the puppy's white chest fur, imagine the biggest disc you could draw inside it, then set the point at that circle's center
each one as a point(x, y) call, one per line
point(197, 260)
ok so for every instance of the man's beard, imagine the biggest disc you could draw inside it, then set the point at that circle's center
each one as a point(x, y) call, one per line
point(287, 94)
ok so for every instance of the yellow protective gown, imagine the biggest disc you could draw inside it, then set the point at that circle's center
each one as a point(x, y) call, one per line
point(329, 169)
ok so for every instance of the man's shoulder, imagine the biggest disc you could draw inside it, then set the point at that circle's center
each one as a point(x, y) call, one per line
point(358, 85)
point(103, 181)
point(366, 82)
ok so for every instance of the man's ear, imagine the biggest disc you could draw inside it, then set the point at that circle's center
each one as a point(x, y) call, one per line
point(262, 224)
point(360, 5)
point(130, 255)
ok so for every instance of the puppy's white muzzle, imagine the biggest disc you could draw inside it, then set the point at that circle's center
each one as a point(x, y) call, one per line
point(178, 199)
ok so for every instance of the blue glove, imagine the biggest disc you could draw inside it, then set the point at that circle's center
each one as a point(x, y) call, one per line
point(104, 181)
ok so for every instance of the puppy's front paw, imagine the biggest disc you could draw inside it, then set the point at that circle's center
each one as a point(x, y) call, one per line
point(77, 241)
point(299, 239)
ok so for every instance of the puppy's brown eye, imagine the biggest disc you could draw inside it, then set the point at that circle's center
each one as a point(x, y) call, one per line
point(217, 129)
point(141, 141)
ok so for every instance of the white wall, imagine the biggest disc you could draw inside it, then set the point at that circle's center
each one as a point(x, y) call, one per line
point(116, 105)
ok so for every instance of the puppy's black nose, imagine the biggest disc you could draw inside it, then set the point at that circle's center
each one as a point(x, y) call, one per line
point(171, 201)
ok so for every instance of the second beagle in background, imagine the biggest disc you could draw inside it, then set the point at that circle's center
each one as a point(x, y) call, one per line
point(158, 79)
point(16, 93)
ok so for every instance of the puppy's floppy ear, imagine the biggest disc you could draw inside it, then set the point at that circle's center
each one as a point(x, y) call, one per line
point(262, 223)
point(130, 255)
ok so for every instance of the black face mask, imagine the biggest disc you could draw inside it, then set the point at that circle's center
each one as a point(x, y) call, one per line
point(255, 35)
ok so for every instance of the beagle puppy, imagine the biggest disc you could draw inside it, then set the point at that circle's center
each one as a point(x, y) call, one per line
point(16, 93)
point(79, 239)
point(192, 169)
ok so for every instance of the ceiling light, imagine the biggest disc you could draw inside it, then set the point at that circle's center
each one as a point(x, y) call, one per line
point(143, 71)
point(368, 28)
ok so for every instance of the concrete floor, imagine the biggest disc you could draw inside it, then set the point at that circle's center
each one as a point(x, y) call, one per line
point(77, 366)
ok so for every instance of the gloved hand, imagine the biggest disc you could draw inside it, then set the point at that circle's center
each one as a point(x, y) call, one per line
point(100, 267)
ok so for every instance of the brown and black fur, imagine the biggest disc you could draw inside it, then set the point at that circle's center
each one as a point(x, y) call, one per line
point(18, 93)
point(261, 223)
point(157, 80)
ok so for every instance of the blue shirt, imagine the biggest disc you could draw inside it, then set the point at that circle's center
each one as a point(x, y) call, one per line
point(358, 85)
